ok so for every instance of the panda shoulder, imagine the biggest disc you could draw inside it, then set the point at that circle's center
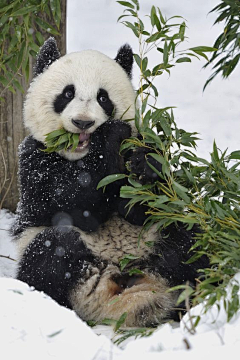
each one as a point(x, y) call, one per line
point(30, 146)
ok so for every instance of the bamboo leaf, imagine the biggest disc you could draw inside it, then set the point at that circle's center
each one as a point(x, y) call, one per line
point(183, 59)
point(126, 3)
point(109, 179)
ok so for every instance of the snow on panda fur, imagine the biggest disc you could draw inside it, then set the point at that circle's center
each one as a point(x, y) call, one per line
point(70, 235)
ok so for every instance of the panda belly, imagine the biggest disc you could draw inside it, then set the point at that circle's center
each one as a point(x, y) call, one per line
point(117, 238)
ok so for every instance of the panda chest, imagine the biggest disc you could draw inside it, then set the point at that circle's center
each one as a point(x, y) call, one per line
point(117, 238)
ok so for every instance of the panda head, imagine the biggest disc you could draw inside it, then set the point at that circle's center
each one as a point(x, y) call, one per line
point(78, 92)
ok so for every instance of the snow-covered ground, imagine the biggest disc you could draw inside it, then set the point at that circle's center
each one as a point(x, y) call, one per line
point(32, 325)
point(7, 247)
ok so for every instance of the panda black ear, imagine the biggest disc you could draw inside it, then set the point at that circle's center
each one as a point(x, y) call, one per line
point(48, 53)
point(125, 58)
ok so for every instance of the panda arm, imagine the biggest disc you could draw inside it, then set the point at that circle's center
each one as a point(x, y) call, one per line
point(138, 165)
point(33, 182)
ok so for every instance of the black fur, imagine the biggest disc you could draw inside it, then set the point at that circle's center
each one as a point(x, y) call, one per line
point(171, 253)
point(63, 99)
point(47, 55)
point(139, 165)
point(54, 265)
point(125, 59)
point(54, 190)
point(105, 102)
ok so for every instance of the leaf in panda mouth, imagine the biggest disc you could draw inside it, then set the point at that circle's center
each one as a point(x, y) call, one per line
point(61, 139)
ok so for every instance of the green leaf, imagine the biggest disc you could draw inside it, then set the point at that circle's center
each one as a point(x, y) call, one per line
point(54, 134)
point(165, 126)
point(234, 155)
point(163, 21)
point(21, 53)
point(144, 64)
point(8, 7)
point(146, 119)
point(183, 59)
point(161, 199)
point(3, 81)
point(120, 321)
point(153, 13)
point(34, 47)
point(157, 23)
point(134, 183)
point(135, 271)
point(136, 2)
point(109, 179)
point(185, 295)
point(18, 86)
point(182, 31)
point(126, 260)
point(55, 333)
point(25, 10)
point(46, 26)
point(202, 54)
point(181, 191)
point(155, 37)
point(126, 3)
point(75, 142)
point(142, 88)
point(165, 53)
point(135, 29)
point(203, 49)
point(137, 59)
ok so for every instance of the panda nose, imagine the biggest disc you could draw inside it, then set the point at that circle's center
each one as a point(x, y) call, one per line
point(83, 124)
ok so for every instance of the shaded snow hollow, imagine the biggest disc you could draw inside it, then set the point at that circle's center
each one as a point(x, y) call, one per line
point(34, 325)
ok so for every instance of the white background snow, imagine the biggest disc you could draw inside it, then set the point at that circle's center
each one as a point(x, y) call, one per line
point(34, 326)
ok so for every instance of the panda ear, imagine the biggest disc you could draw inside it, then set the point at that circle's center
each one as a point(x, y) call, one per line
point(125, 58)
point(48, 53)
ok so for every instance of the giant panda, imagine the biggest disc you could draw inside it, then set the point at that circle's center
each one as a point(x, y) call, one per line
point(70, 235)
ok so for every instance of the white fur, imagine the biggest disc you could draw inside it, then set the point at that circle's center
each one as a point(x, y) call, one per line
point(26, 238)
point(117, 238)
point(88, 71)
point(100, 297)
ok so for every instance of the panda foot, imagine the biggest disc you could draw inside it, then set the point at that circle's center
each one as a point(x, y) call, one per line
point(142, 297)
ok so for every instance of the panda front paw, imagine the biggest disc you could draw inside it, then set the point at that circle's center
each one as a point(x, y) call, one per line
point(135, 216)
point(140, 167)
point(115, 131)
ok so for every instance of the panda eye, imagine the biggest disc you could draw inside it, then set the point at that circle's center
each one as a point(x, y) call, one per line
point(69, 94)
point(103, 99)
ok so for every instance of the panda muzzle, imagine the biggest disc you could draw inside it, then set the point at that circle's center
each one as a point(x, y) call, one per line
point(83, 124)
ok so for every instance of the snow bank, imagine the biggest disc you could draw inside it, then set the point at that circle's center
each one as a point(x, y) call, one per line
point(33, 325)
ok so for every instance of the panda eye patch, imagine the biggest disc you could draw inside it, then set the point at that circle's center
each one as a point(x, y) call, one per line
point(105, 102)
point(63, 99)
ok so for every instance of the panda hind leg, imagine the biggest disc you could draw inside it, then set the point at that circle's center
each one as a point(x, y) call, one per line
point(54, 262)
point(143, 298)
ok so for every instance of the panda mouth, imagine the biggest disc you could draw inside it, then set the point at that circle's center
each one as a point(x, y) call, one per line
point(84, 140)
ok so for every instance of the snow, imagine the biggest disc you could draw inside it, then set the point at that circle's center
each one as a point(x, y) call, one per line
point(7, 246)
point(34, 325)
